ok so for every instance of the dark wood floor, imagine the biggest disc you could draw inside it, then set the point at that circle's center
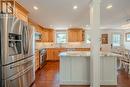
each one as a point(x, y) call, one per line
point(48, 76)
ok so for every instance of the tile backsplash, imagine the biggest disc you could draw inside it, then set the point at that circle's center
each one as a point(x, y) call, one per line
point(40, 45)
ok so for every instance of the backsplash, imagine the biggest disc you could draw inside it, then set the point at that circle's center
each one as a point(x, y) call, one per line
point(40, 45)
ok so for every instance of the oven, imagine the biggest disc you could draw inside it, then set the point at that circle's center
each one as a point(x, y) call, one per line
point(43, 56)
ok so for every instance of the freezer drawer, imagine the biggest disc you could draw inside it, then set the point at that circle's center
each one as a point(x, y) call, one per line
point(24, 79)
point(13, 69)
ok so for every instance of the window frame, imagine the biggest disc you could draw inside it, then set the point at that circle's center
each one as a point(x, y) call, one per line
point(86, 37)
point(112, 39)
point(126, 37)
point(61, 31)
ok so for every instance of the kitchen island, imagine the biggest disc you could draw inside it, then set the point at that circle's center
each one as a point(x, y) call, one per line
point(75, 68)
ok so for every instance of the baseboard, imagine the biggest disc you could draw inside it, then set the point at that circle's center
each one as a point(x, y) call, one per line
point(108, 82)
point(75, 83)
point(103, 83)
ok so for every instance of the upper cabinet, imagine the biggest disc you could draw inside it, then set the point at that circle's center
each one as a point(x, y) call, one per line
point(47, 35)
point(21, 12)
point(75, 35)
point(12, 7)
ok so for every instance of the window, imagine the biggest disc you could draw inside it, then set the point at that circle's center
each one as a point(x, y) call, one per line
point(127, 37)
point(88, 39)
point(116, 39)
point(61, 37)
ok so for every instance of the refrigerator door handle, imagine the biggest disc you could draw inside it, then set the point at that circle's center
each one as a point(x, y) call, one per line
point(26, 40)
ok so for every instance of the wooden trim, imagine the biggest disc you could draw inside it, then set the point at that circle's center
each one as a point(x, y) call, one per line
point(30, 21)
point(21, 7)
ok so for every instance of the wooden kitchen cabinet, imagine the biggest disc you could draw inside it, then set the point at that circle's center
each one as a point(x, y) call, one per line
point(57, 52)
point(37, 60)
point(21, 12)
point(82, 49)
point(51, 35)
point(47, 35)
point(75, 35)
point(53, 53)
point(13, 7)
point(50, 54)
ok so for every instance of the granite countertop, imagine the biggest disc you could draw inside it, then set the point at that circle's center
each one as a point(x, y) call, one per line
point(87, 54)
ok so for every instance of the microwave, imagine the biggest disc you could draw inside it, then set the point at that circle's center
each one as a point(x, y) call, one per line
point(38, 36)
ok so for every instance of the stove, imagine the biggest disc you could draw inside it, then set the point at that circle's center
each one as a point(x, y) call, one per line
point(43, 56)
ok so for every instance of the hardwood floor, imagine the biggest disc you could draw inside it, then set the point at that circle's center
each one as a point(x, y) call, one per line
point(48, 76)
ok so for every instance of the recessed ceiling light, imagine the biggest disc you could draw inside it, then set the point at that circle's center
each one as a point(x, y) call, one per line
point(35, 7)
point(75, 7)
point(109, 6)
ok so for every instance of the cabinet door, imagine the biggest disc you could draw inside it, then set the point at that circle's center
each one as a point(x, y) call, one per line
point(75, 35)
point(50, 54)
point(45, 36)
point(71, 36)
point(57, 54)
point(80, 36)
point(37, 60)
point(50, 35)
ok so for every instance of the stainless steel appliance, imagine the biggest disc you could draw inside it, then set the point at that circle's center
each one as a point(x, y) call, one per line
point(17, 52)
point(43, 55)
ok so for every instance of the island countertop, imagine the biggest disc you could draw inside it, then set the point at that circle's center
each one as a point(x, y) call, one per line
point(87, 54)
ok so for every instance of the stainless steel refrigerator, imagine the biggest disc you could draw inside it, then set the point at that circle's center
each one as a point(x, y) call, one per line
point(17, 52)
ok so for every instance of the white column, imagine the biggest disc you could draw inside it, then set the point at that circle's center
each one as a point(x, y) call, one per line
point(95, 42)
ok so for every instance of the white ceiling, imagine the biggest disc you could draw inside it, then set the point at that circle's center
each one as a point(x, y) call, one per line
point(60, 13)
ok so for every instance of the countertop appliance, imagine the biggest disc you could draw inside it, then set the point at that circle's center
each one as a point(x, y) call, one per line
point(17, 52)
point(43, 56)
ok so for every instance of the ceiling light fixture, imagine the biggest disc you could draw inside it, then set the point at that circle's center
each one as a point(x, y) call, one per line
point(35, 7)
point(109, 6)
point(75, 7)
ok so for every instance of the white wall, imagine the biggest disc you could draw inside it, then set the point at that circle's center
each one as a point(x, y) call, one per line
point(107, 47)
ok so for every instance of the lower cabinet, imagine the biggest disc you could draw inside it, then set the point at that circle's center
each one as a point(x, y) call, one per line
point(82, 49)
point(37, 60)
point(53, 53)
